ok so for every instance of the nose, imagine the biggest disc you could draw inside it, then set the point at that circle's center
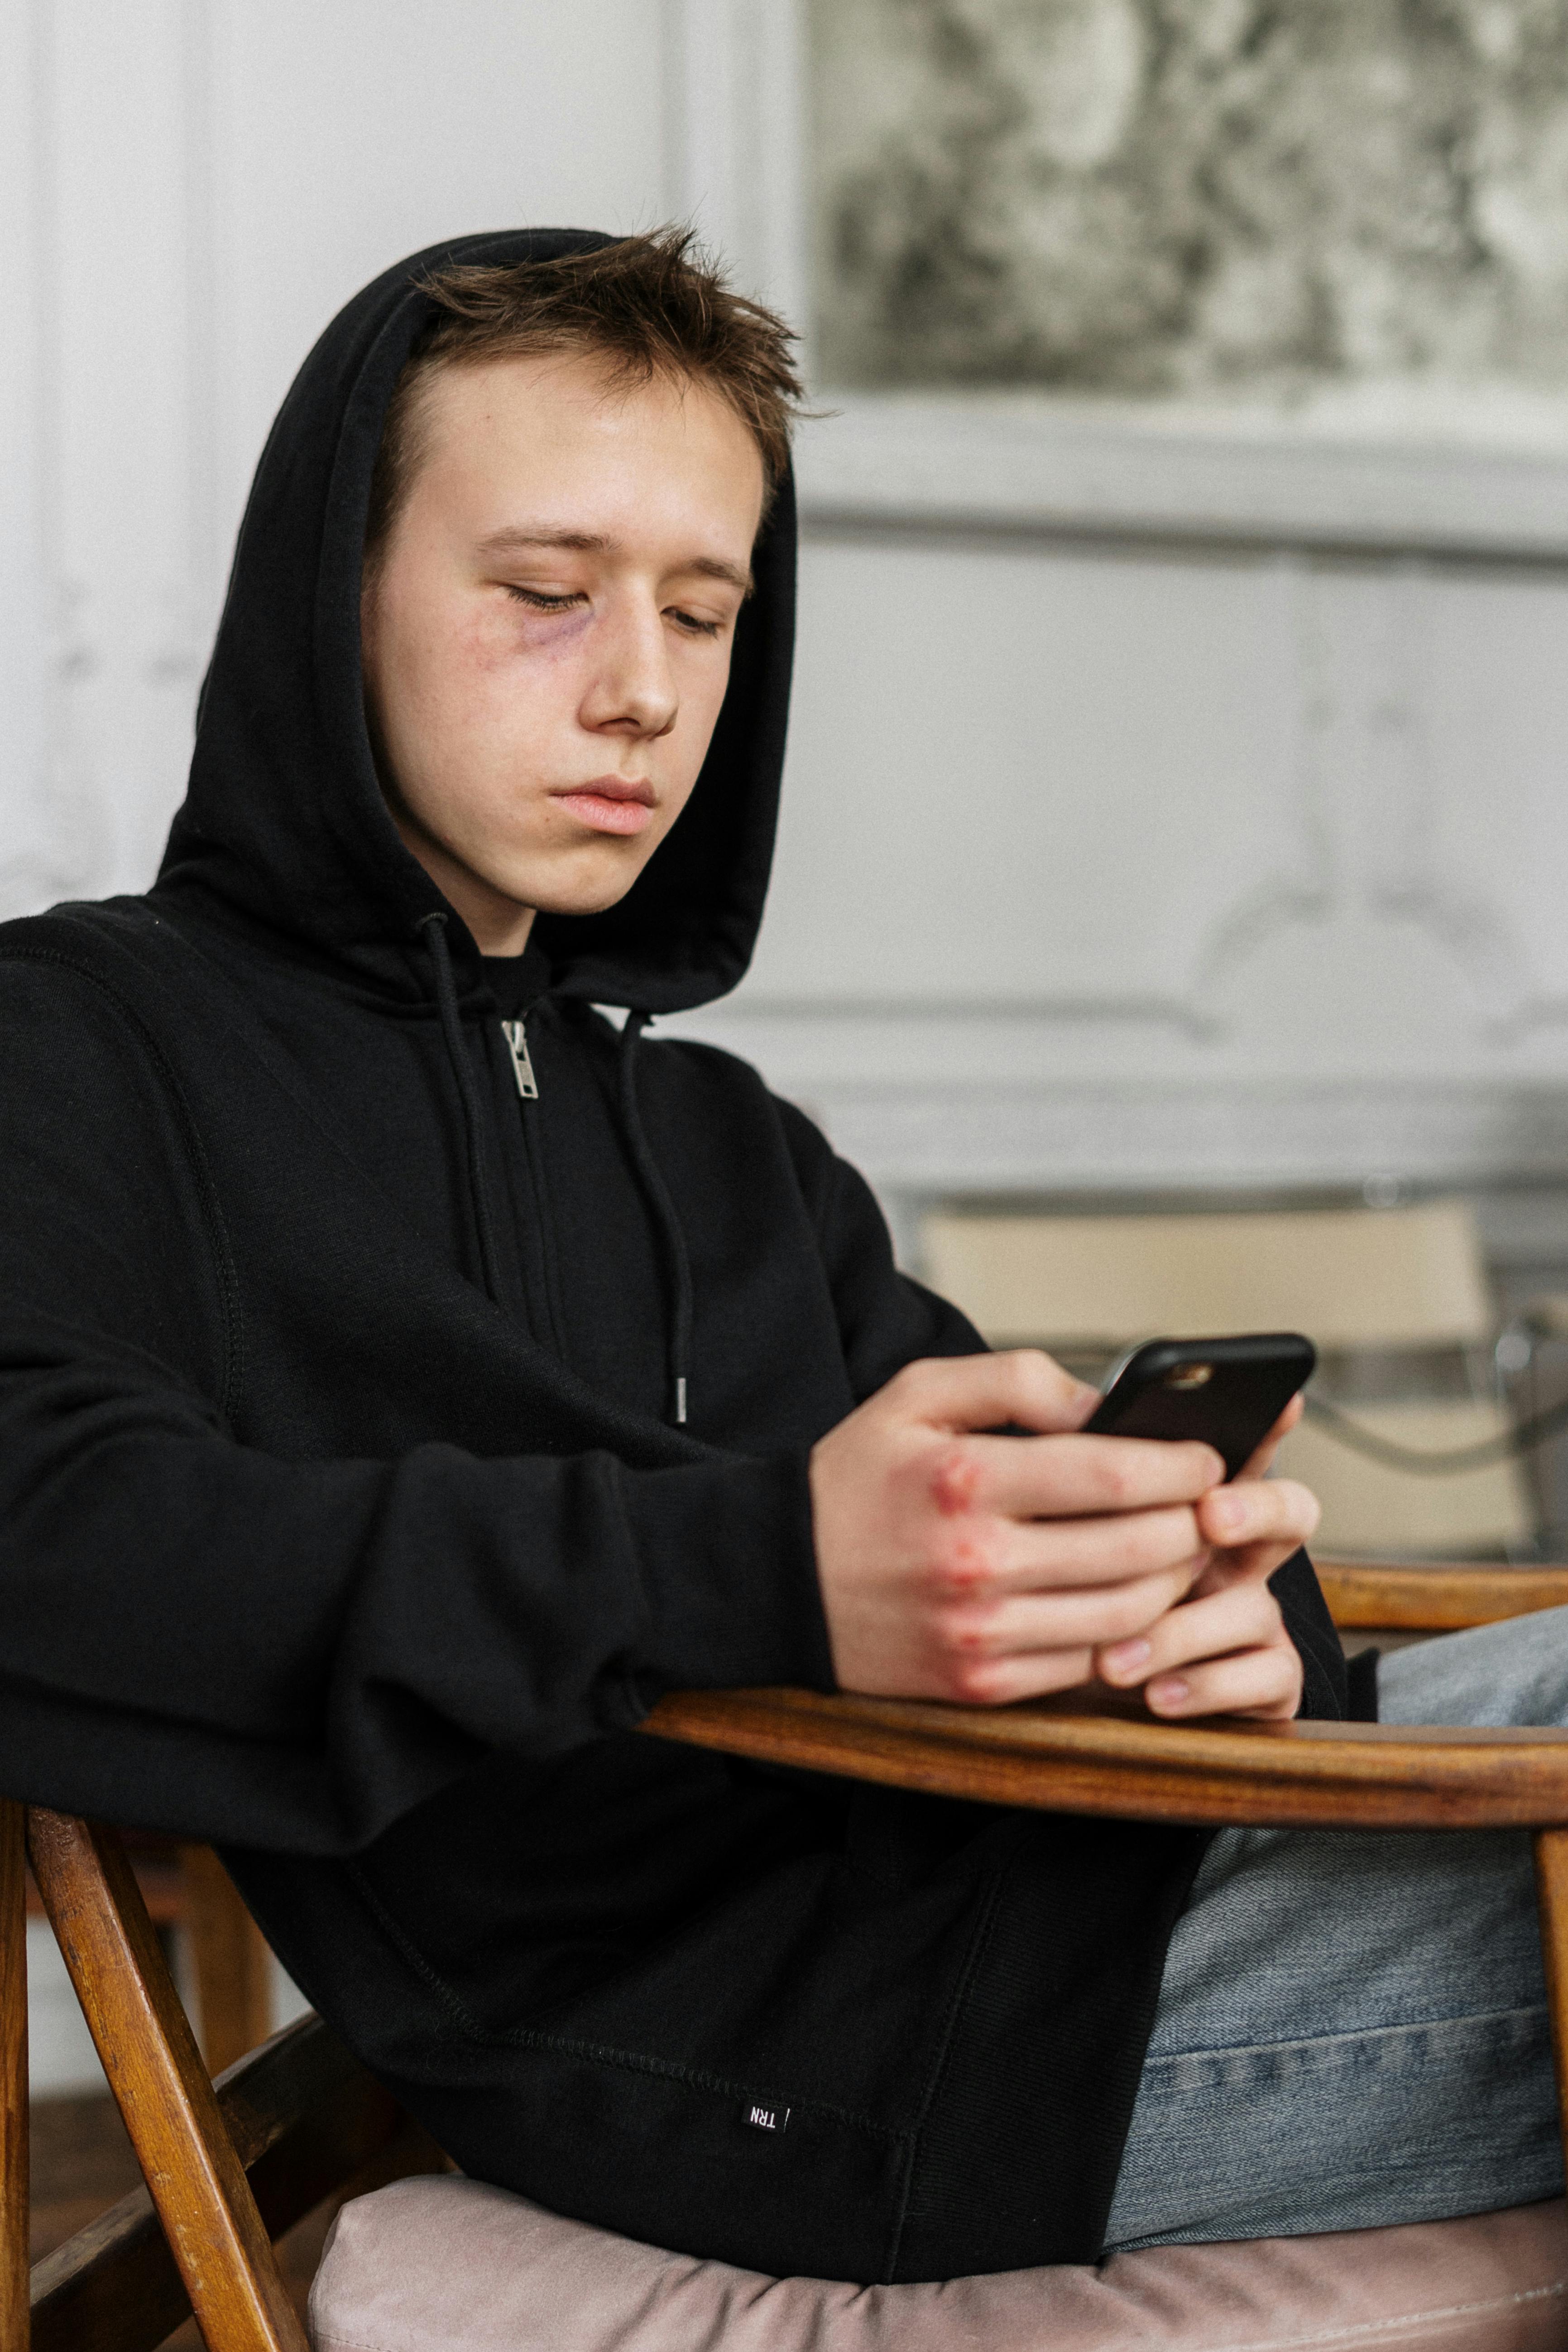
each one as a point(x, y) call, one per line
point(632, 688)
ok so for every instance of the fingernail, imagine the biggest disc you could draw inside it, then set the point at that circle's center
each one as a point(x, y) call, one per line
point(1168, 1693)
point(1125, 1656)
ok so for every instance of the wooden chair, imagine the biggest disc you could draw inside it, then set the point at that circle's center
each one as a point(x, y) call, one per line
point(230, 2166)
point(187, 1888)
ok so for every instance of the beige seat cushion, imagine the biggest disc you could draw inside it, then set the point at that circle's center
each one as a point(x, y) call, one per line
point(449, 2266)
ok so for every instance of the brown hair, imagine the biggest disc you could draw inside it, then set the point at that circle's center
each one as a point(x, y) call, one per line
point(653, 305)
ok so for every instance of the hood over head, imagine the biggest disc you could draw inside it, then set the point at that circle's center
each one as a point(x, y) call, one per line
point(284, 819)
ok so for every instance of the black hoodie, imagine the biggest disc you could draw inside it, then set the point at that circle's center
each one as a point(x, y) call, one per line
point(346, 1518)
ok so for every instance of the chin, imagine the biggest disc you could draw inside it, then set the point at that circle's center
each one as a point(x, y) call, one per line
point(581, 894)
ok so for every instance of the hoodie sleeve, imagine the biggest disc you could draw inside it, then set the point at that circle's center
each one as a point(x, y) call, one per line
point(887, 1320)
point(199, 1637)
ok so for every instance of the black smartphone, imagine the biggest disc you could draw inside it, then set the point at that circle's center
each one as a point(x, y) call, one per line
point(1229, 1393)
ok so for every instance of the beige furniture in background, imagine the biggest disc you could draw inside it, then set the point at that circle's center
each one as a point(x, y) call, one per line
point(1398, 1283)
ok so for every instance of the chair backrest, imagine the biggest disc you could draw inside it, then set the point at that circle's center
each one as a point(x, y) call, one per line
point(230, 2166)
point(1389, 1280)
point(1354, 1279)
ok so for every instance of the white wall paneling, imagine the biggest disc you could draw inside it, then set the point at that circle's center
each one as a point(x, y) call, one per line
point(348, 134)
point(192, 187)
point(1170, 803)
point(100, 652)
point(1162, 807)
point(1155, 869)
point(1075, 784)
point(32, 862)
point(1004, 459)
point(736, 116)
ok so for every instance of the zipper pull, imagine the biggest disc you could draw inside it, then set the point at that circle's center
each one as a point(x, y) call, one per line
point(521, 1067)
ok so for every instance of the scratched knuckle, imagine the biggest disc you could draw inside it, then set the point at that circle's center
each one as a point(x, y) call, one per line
point(955, 1464)
point(963, 1634)
point(963, 1558)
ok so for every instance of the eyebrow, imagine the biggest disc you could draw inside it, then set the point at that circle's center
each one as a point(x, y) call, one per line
point(519, 539)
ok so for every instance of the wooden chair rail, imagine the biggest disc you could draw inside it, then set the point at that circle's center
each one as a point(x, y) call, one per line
point(15, 2199)
point(304, 2118)
point(189, 1887)
point(1064, 1757)
point(164, 2092)
point(1370, 1596)
point(229, 2165)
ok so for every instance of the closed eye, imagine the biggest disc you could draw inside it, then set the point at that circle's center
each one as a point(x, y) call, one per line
point(539, 601)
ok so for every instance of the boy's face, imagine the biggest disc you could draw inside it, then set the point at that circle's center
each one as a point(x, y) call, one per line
point(547, 635)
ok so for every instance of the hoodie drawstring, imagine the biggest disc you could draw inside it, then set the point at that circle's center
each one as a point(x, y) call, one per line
point(663, 1207)
point(433, 928)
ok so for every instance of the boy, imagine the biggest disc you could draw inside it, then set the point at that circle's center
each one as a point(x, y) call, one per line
point(409, 1376)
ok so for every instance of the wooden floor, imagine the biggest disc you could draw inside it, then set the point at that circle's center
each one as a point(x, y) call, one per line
point(83, 2162)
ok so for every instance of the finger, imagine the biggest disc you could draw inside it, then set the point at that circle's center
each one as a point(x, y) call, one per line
point(1264, 1510)
point(1068, 1477)
point(1018, 1384)
point(1265, 1683)
point(1258, 1464)
point(1002, 1682)
point(984, 1559)
point(1088, 1616)
point(1242, 1617)
point(1251, 1564)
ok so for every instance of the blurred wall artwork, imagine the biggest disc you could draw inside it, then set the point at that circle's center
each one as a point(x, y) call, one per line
point(1353, 210)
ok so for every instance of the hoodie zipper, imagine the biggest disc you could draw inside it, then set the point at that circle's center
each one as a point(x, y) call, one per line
point(516, 1035)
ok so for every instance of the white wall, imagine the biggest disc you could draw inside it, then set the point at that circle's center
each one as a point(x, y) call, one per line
point(192, 188)
point(1120, 848)
point(1104, 864)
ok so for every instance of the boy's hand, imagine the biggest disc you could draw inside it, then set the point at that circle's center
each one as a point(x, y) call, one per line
point(959, 1566)
point(1224, 1650)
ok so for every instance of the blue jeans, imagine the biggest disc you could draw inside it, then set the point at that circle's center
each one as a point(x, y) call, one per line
point(1353, 2027)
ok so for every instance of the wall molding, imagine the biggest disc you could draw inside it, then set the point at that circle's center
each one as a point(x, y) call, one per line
point(1018, 463)
point(1072, 1138)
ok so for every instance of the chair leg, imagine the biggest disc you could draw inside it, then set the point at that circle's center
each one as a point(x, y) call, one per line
point(14, 2203)
point(1551, 1897)
point(233, 1965)
point(164, 2092)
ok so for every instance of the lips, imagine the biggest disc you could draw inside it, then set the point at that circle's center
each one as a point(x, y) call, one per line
point(617, 804)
